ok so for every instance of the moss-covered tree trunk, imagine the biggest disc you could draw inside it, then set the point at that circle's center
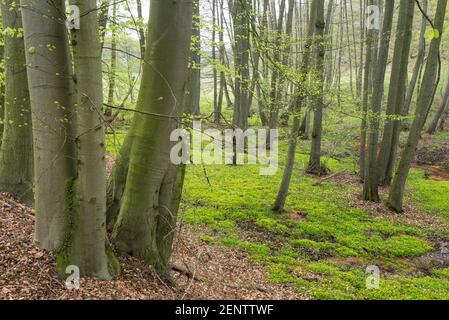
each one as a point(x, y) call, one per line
point(145, 225)
point(16, 152)
point(86, 238)
point(425, 100)
point(52, 102)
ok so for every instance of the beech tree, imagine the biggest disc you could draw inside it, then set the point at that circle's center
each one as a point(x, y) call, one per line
point(68, 145)
point(147, 218)
point(16, 152)
point(52, 105)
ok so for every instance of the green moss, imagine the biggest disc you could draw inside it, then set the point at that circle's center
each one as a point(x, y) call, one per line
point(429, 195)
point(323, 255)
point(63, 252)
point(114, 268)
point(443, 273)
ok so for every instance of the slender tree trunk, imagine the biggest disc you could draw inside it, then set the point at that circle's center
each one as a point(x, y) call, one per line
point(219, 107)
point(103, 14)
point(440, 111)
point(240, 16)
point(16, 152)
point(301, 95)
point(367, 90)
point(425, 100)
point(315, 166)
point(113, 66)
point(371, 183)
point(396, 94)
point(86, 242)
point(444, 117)
point(141, 28)
point(147, 219)
point(418, 64)
point(193, 94)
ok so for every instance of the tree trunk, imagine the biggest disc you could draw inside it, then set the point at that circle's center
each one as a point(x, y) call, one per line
point(371, 183)
point(240, 15)
point(367, 90)
point(444, 117)
point(52, 115)
point(425, 100)
point(113, 66)
point(418, 64)
point(315, 166)
point(396, 94)
point(141, 29)
point(440, 111)
point(16, 152)
point(85, 243)
point(146, 223)
point(301, 95)
point(193, 92)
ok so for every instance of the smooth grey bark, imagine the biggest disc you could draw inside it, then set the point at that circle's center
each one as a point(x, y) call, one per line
point(86, 242)
point(424, 102)
point(396, 94)
point(147, 218)
point(371, 184)
point(52, 104)
point(16, 152)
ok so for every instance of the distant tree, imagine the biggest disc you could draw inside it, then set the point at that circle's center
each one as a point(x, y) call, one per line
point(193, 94)
point(315, 166)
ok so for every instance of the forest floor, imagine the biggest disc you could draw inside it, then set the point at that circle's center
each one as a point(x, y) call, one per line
point(27, 272)
point(231, 246)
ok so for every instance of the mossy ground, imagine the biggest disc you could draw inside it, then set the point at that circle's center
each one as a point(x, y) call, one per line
point(325, 253)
